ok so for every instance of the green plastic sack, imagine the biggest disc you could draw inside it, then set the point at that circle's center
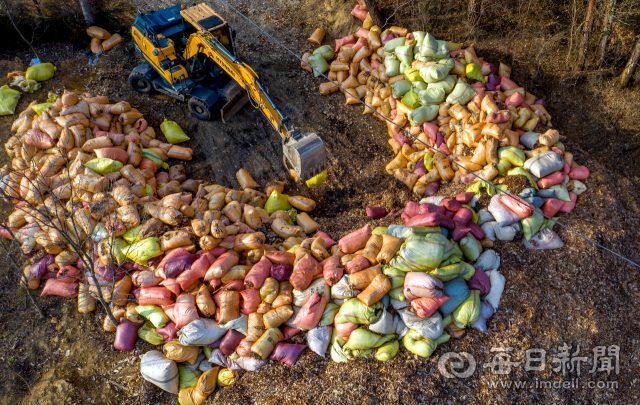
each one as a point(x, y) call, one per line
point(519, 170)
point(149, 154)
point(532, 224)
point(423, 114)
point(562, 193)
point(335, 338)
point(416, 344)
point(131, 235)
point(453, 256)
point(154, 314)
point(470, 247)
point(319, 64)
point(8, 100)
point(560, 146)
point(39, 108)
point(104, 165)
point(355, 311)
point(41, 72)
point(514, 155)
point(548, 223)
point(421, 253)
point(330, 312)
point(461, 94)
point(353, 354)
point(469, 311)
point(433, 48)
point(173, 132)
point(432, 96)
point(403, 66)
point(405, 54)
point(413, 75)
point(326, 51)
point(380, 230)
point(434, 73)
point(393, 44)
point(143, 250)
point(400, 88)
point(392, 65)
point(447, 84)
point(363, 339)
point(503, 166)
point(388, 350)
point(207, 351)
point(317, 179)
point(397, 282)
point(188, 378)
point(277, 201)
point(147, 332)
point(473, 72)
point(410, 99)
point(448, 273)
point(418, 85)
point(414, 231)
point(148, 189)
point(419, 36)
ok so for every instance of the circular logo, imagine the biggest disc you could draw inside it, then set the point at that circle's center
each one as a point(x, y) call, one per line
point(452, 365)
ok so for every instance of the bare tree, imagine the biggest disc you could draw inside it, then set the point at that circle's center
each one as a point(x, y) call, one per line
point(630, 69)
point(606, 31)
point(375, 13)
point(584, 48)
point(474, 13)
point(86, 11)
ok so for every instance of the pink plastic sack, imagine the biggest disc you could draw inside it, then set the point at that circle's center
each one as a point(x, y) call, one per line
point(552, 206)
point(520, 207)
point(230, 341)
point(515, 99)
point(311, 312)
point(117, 139)
point(344, 329)
point(418, 284)
point(430, 219)
point(287, 353)
point(362, 33)
point(258, 273)
point(376, 212)
point(507, 84)
point(114, 154)
point(185, 310)
point(355, 240)
point(250, 301)
point(326, 238)
point(168, 331)
point(359, 12)
point(198, 270)
point(425, 307)
point(356, 264)
point(126, 335)
point(568, 206)
point(153, 296)
point(332, 270)
point(551, 180)
point(343, 41)
point(579, 173)
point(172, 285)
point(54, 286)
point(278, 257)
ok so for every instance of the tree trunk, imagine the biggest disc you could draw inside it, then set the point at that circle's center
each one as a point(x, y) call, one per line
point(86, 11)
point(475, 9)
point(588, 23)
point(628, 72)
point(606, 30)
point(376, 14)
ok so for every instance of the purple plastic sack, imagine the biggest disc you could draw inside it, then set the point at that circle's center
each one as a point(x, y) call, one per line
point(541, 102)
point(420, 169)
point(230, 341)
point(432, 188)
point(486, 311)
point(376, 212)
point(109, 273)
point(402, 140)
point(126, 335)
point(40, 267)
point(176, 265)
point(281, 272)
point(480, 281)
point(287, 353)
point(493, 79)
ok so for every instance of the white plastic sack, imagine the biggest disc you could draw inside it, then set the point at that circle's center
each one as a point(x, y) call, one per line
point(503, 215)
point(289, 322)
point(340, 301)
point(497, 287)
point(250, 363)
point(240, 324)
point(429, 328)
point(474, 201)
point(433, 199)
point(340, 290)
point(529, 139)
point(401, 329)
point(397, 230)
point(387, 323)
point(543, 164)
point(319, 339)
point(399, 304)
point(220, 359)
point(201, 332)
point(319, 285)
point(485, 216)
point(488, 260)
point(545, 239)
point(578, 187)
point(160, 371)
point(337, 354)
point(492, 231)
point(204, 366)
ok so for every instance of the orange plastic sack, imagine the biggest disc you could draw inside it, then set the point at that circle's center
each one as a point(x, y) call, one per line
point(355, 240)
point(317, 36)
point(379, 286)
point(113, 40)
point(362, 279)
point(304, 271)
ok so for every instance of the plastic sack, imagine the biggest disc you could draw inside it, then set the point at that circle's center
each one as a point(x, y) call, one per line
point(328, 314)
point(503, 215)
point(160, 371)
point(497, 287)
point(277, 202)
point(41, 72)
point(319, 64)
point(8, 100)
point(355, 311)
point(287, 353)
point(319, 339)
point(201, 332)
point(154, 314)
point(388, 323)
point(480, 281)
point(423, 114)
point(457, 291)
point(343, 289)
point(364, 339)
point(428, 328)
point(468, 312)
point(355, 240)
point(126, 335)
point(104, 165)
point(486, 311)
point(543, 164)
point(461, 94)
point(425, 307)
point(264, 346)
point(172, 131)
point(488, 260)
point(421, 253)
point(143, 250)
point(227, 377)
point(377, 289)
point(545, 239)
point(387, 351)
point(532, 225)
point(494, 231)
point(419, 284)
point(188, 378)
point(421, 347)
point(397, 278)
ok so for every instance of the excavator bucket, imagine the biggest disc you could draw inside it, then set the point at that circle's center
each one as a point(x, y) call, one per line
point(305, 156)
point(236, 98)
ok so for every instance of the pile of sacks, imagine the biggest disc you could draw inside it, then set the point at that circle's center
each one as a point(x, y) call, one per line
point(465, 119)
point(101, 40)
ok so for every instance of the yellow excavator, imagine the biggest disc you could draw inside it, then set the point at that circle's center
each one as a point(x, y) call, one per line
point(189, 54)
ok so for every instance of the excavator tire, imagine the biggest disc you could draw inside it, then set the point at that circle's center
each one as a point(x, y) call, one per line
point(200, 109)
point(140, 83)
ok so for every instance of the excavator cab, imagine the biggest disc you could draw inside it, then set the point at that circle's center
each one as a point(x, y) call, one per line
point(190, 54)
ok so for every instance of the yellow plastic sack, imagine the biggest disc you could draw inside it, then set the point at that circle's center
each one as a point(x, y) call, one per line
point(104, 165)
point(173, 132)
point(41, 72)
point(277, 202)
point(317, 179)
point(8, 100)
point(143, 250)
point(39, 108)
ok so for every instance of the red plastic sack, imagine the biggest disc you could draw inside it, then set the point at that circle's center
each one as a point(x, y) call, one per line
point(68, 274)
point(356, 264)
point(289, 332)
point(113, 153)
point(153, 296)
point(463, 216)
point(126, 335)
point(197, 270)
point(568, 206)
point(304, 271)
point(480, 281)
point(177, 261)
point(221, 265)
point(110, 273)
point(552, 206)
point(250, 301)
point(579, 173)
point(355, 240)
point(430, 219)
point(376, 212)
point(520, 207)
point(425, 307)
point(281, 272)
point(168, 331)
point(551, 180)
point(185, 310)
point(279, 257)
point(515, 99)
point(56, 287)
point(287, 353)
point(476, 230)
point(258, 273)
point(465, 198)
point(332, 270)
point(451, 205)
point(309, 315)
point(344, 329)
point(326, 238)
point(230, 341)
point(459, 232)
point(359, 12)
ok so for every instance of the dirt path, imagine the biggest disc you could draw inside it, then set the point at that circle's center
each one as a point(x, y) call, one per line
point(578, 294)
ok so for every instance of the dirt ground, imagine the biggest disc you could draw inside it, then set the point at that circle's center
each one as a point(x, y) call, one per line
point(579, 295)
